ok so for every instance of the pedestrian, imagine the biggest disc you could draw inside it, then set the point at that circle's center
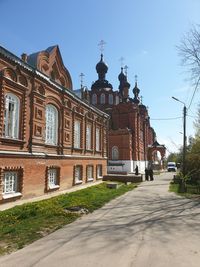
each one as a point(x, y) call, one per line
point(136, 170)
point(146, 174)
point(151, 174)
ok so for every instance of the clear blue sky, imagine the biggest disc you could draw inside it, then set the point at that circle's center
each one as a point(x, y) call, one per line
point(144, 32)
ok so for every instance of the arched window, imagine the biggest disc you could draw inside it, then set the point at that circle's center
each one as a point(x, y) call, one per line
point(116, 100)
point(51, 125)
point(115, 153)
point(94, 99)
point(110, 99)
point(11, 116)
point(102, 98)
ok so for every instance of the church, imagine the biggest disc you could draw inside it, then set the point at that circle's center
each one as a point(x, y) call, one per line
point(53, 137)
point(131, 139)
point(50, 139)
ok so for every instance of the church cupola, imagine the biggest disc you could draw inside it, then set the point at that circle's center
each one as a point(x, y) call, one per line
point(136, 92)
point(101, 83)
point(124, 85)
point(101, 68)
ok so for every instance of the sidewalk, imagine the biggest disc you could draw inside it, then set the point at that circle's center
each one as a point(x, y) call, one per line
point(47, 196)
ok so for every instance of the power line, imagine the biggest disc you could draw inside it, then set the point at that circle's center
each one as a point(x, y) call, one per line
point(164, 119)
point(195, 89)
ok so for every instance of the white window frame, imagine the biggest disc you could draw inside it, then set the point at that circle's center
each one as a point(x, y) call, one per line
point(94, 99)
point(88, 137)
point(115, 153)
point(53, 178)
point(77, 134)
point(90, 173)
point(78, 174)
point(110, 99)
point(99, 171)
point(11, 184)
point(103, 99)
point(11, 116)
point(51, 125)
point(98, 141)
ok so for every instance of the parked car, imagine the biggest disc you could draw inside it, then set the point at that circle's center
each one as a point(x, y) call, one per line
point(171, 167)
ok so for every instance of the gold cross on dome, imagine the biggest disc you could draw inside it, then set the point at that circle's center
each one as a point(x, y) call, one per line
point(126, 70)
point(101, 45)
point(121, 61)
point(136, 77)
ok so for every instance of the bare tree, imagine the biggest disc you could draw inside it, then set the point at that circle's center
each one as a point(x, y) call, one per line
point(189, 51)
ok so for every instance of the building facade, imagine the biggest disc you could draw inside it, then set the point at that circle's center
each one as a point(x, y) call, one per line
point(130, 133)
point(50, 139)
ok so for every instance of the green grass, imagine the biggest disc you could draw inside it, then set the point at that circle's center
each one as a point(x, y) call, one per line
point(191, 191)
point(24, 224)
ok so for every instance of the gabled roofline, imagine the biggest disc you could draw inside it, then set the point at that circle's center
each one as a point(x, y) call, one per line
point(36, 72)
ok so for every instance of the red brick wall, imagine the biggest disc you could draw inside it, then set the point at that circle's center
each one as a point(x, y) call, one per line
point(34, 172)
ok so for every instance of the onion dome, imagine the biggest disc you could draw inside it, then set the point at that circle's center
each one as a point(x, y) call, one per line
point(123, 81)
point(136, 92)
point(101, 83)
point(101, 68)
point(122, 76)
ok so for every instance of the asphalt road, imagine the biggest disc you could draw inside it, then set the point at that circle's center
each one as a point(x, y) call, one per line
point(147, 227)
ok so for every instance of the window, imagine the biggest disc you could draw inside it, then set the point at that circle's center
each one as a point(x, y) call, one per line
point(11, 116)
point(117, 100)
point(90, 173)
point(78, 174)
point(99, 171)
point(89, 137)
point(97, 139)
point(11, 184)
point(102, 98)
point(51, 125)
point(53, 178)
point(110, 99)
point(115, 153)
point(77, 134)
point(94, 99)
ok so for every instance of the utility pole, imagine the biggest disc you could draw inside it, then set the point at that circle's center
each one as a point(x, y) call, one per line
point(184, 133)
point(184, 138)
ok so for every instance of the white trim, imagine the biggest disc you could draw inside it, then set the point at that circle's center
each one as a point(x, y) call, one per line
point(54, 186)
point(11, 195)
point(79, 182)
point(90, 179)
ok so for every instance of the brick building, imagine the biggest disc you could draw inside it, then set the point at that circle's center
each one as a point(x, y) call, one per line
point(50, 139)
point(130, 132)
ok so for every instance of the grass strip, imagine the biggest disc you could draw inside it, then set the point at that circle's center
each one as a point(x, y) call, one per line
point(26, 223)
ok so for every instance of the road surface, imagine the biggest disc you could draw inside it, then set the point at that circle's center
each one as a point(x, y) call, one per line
point(147, 227)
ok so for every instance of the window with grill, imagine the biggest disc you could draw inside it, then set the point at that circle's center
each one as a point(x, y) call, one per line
point(99, 171)
point(10, 182)
point(89, 137)
point(11, 116)
point(53, 178)
point(78, 174)
point(90, 173)
point(51, 125)
point(77, 134)
point(97, 139)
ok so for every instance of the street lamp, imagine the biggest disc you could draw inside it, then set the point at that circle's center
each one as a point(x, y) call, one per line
point(184, 132)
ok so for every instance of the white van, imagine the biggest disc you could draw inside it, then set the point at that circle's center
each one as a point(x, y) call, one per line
point(171, 167)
